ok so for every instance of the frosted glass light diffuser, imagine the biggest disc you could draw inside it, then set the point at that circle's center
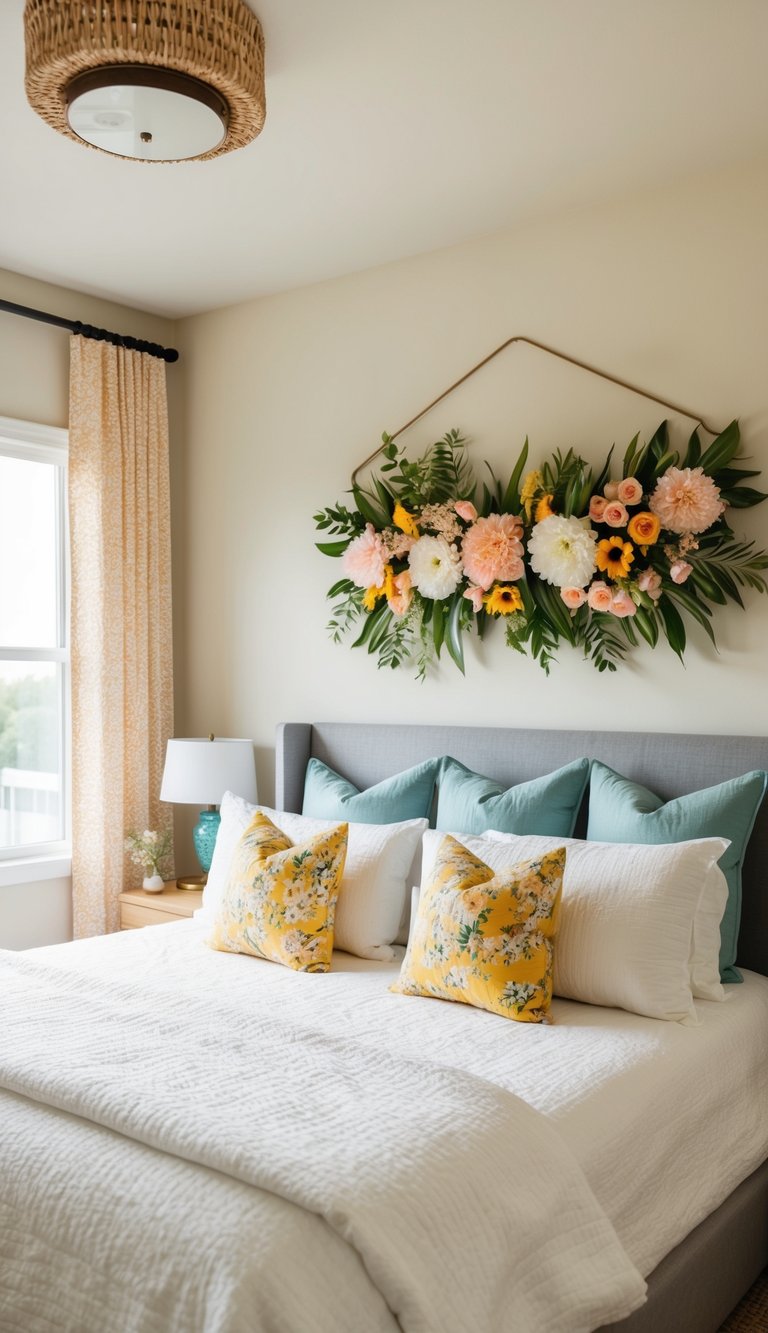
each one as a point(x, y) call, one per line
point(199, 771)
point(170, 124)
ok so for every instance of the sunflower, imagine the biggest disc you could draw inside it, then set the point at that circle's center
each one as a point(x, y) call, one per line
point(503, 600)
point(614, 557)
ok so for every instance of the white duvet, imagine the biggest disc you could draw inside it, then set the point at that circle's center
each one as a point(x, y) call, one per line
point(241, 1147)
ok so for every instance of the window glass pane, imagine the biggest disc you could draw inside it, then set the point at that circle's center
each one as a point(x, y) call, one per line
point(27, 554)
point(31, 805)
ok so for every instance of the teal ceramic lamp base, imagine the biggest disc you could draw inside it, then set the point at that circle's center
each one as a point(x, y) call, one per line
point(204, 836)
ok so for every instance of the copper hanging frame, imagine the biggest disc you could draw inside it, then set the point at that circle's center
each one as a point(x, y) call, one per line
point(551, 351)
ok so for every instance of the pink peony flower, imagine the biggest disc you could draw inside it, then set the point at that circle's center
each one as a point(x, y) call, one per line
point(597, 508)
point(599, 596)
point(492, 550)
point(475, 596)
point(629, 491)
point(622, 604)
point(615, 515)
point(611, 490)
point(679, 571)
point(686, 500)
point(401, 598)
point(466, 510)
point(649, 582)
point(364, 559)
point(573, 597)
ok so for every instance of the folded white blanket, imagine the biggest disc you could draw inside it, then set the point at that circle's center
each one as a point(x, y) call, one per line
point(463, 1204)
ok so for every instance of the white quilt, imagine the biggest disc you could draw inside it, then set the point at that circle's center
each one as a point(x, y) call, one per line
point(242, 1169)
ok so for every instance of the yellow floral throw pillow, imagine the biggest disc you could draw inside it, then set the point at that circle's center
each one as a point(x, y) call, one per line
point(280, 901)
point(485, 938)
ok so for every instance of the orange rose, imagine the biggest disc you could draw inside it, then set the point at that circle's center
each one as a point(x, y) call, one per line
point(644, 528)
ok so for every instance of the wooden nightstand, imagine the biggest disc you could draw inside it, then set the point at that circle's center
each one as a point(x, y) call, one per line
point(138, 908)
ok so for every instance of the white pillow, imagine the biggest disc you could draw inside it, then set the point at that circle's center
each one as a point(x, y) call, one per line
point(705, 946)
point(631, 929)
point(373, 887)
point(705, 959)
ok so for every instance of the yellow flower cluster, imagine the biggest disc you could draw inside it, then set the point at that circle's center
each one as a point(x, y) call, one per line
point(405, 521)
point(532, 484)
point(387, 589)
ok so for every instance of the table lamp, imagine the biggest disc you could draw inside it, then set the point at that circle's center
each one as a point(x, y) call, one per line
point(198, 772)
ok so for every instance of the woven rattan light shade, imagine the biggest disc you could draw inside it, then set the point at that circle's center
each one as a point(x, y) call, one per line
point(217, 42)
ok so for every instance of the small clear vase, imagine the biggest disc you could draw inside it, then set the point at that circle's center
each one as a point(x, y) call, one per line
point(153, 884)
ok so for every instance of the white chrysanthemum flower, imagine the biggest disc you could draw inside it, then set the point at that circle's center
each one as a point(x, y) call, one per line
point(562, 551)
point(435, 567)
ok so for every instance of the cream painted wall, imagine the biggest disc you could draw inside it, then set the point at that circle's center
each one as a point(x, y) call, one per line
point(34, 371)
point(286, 394)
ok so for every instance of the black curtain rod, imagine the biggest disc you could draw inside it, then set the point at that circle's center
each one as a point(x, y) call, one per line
point(88, 331)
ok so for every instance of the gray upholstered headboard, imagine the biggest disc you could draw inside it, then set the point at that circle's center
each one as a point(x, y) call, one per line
point(670, 765)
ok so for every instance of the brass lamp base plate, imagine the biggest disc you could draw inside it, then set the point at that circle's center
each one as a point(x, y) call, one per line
point(191, 881)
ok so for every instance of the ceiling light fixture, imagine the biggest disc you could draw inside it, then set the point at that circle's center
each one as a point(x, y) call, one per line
point(156, 80)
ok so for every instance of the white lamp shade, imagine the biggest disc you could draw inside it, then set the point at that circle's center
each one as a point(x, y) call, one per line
point(199, 771)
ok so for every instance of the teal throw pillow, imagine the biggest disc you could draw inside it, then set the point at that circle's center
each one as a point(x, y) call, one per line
point(406, 795)
point(470, 803)
point(623, 811)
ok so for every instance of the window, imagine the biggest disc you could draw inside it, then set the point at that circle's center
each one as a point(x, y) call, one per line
point(34, 641)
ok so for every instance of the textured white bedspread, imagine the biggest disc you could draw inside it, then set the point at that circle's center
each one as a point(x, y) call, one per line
point(664, 1120)
point(452, 1203)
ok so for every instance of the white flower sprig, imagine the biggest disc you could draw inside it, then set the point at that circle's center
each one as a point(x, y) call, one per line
point(149, 849)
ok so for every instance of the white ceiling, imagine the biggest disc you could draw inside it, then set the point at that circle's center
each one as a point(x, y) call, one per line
point(392, 128)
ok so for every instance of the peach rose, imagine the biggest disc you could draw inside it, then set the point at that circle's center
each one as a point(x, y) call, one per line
point(649, 582)
point(573, 597)
point(622, 604)
point(400, 598)
point(679, 571)
point(597, 508)
point(466, 510)
point(611, 490)
point(600, 596)
point(644, 528)
point(475, 596)
point(615, 515)
point(630, 492)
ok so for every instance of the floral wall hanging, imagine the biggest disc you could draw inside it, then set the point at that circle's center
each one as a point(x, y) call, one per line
point(558, 553)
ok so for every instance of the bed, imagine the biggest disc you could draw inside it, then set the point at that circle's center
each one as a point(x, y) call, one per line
point(145, 1066)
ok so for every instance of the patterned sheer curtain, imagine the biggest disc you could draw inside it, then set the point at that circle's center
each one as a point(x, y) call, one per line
point(122, 671)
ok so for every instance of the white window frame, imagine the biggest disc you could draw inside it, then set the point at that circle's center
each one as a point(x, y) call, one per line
point(45, 444)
